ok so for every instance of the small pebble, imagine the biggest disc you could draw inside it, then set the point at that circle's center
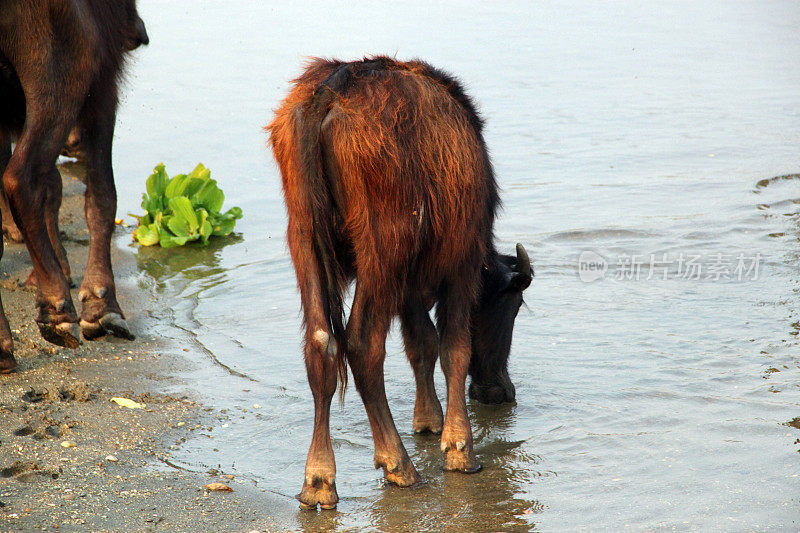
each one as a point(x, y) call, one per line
point(68, 444)
point(112, 458)
point(218, 487)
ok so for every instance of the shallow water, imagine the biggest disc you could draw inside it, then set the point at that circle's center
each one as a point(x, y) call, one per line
point(620, 129)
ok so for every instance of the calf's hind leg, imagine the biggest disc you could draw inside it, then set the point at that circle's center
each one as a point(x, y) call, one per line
point(319, 485)
point(366, 343)
point(422, 348)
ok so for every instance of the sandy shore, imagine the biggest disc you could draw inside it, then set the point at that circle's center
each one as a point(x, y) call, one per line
point(71, 458)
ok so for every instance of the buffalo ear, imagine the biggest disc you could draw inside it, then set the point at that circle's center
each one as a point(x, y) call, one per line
point(522, 275)
point(519, 282)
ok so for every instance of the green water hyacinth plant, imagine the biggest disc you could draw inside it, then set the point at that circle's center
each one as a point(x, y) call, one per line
point(183, 209)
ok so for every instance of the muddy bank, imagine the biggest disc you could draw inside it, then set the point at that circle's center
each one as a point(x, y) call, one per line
point(73, 459)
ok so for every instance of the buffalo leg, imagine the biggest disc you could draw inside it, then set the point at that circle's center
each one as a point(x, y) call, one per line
point(7, 361)
point(422, 348)
point(55, 81)
point(25, 182)
point(319, 485)
point(453, 317)
point(52, 205)
point(101, 312)
point(366, 335)
point(9, 228)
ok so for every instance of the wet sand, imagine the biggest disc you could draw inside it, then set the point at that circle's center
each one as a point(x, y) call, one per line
point(118, 475)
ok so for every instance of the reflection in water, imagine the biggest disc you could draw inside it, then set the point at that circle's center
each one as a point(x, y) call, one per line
point(193, 261)
point(196, 267)
point(313, 521)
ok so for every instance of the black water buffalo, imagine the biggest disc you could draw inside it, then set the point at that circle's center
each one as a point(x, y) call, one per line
point(60, 64)
point(387, 181)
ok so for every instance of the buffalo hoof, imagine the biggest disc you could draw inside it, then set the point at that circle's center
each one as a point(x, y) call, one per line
point(493, 394)
point(459, 456)
point(402, 473)
point(431, 423)
point(427, 428)
point(7, 362)
point(318, 490)
point(101, 313)
point(64, 334)
point(112, 323)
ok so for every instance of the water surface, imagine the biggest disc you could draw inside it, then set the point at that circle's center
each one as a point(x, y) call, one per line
point(624, 129)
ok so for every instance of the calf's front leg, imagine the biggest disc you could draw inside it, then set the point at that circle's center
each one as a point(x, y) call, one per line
point(366, 343)
point(453, 317)
point(422, 349)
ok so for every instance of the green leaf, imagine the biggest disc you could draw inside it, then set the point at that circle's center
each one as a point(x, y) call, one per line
point(235, 212)
point(192, 186)
point(224, 227)
point(179, 226)
point(182, 207)
point(209, 196)
point(170, 241)
point(154, 207)
point(206, 230)
point(201, 172)
point(157, 182)
point(147, 235)
point(176, 186)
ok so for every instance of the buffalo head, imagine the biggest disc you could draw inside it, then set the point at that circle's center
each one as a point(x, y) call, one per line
point(504, 279)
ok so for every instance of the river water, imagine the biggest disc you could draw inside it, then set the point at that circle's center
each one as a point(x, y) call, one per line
point(634, 136)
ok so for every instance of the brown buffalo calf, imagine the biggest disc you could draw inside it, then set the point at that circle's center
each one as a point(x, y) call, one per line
point(60, 62)
point(387, 181)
